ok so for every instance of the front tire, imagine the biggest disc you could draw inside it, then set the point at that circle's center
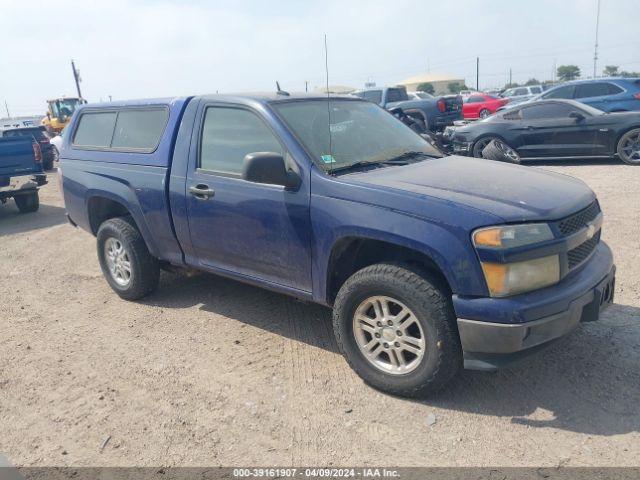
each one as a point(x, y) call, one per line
point(628, 147)
point(27, 202)
point(131, 271)
point(396, 327)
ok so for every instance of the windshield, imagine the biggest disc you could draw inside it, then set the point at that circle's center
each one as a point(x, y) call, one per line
point(360, 132)
point(65, 106)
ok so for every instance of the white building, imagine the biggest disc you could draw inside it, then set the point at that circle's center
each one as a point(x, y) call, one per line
point(440, 82)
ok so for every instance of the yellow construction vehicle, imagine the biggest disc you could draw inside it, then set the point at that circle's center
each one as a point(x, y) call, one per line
point(59, 112)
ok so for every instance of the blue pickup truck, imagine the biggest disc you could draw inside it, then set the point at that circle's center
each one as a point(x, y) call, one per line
point(430, 264)
point(430, 114)
point(21, 172)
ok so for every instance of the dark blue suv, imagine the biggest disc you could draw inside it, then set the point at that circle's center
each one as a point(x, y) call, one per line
point(606, 94)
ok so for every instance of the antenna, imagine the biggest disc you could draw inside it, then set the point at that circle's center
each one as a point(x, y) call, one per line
point(595, 50)
point(326, 69)
point(280, 91)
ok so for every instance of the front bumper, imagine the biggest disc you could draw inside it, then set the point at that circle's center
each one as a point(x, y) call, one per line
point(462, 148)
point(497, 331)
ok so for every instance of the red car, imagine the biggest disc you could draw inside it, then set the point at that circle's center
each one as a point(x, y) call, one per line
point(481, 105)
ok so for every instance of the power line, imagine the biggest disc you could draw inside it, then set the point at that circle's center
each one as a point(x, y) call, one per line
point(595, 50)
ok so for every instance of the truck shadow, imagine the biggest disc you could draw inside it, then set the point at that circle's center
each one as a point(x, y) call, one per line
point(12, 221)
point(588, 382)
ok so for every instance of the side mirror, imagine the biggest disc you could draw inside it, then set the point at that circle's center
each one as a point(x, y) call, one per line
point(577, 115)
point(269, 168)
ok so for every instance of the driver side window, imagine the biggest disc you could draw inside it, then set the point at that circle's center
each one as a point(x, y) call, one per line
point(228, 135)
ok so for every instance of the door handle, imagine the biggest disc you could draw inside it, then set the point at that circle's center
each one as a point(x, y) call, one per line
point(202, 191)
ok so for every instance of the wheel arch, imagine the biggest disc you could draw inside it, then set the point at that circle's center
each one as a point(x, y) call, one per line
point(621, 134)
point(102, 206)
point(352, 253)
point(490, 135)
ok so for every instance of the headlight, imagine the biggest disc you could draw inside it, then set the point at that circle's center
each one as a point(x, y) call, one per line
point(509, 236)
point(504, 279)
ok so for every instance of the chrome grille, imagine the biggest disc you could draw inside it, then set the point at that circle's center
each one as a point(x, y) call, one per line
point(579, 254)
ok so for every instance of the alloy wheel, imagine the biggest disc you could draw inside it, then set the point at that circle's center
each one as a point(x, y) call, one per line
point(629, 149)
point(389, 335)
point(507, 150)
point(118, 261)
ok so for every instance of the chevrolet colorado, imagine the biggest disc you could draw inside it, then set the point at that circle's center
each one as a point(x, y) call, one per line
point(430, 264)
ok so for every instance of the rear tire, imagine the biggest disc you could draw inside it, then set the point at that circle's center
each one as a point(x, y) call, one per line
point(430, 324)
point(28, 202)
point(484, 113)
point(131, 271)
point(628, 147)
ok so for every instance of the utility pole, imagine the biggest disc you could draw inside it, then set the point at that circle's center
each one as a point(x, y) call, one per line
point(6, 105)
point(553, 72)
point(110, 98)
point(478, 74)
point(510, 77)
point(306, 86)
point(76, 77)
point(595, 50)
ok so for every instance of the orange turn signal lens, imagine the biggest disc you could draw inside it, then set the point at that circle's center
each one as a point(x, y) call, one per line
point(489, 237)
point(495, 274)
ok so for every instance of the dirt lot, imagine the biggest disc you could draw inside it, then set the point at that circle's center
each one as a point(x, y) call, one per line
point(208, 371)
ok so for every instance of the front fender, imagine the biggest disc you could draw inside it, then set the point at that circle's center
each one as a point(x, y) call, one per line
point(448, 247)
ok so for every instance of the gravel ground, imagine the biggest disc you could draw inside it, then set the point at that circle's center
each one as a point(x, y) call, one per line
point(208, 371)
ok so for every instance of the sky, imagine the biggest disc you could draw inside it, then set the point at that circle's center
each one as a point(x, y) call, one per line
point(144, 48)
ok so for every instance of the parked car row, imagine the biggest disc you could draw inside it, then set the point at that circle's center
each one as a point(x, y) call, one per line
point(429, 114)
point(553, 129)
point(606, 94)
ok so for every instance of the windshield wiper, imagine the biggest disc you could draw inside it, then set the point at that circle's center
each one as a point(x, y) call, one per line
point(355, 166)
point(402, 159)
point(405, 156)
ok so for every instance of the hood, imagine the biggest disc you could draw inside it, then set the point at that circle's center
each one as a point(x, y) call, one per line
point(633, 115)
point(511, 192)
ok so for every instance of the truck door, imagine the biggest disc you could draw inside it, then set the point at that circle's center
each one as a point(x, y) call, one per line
point(243, 228)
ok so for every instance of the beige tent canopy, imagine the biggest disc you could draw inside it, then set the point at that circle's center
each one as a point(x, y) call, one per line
point(337, 89)
point(440, 82)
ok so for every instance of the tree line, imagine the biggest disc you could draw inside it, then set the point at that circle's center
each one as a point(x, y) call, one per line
point(565, 73)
